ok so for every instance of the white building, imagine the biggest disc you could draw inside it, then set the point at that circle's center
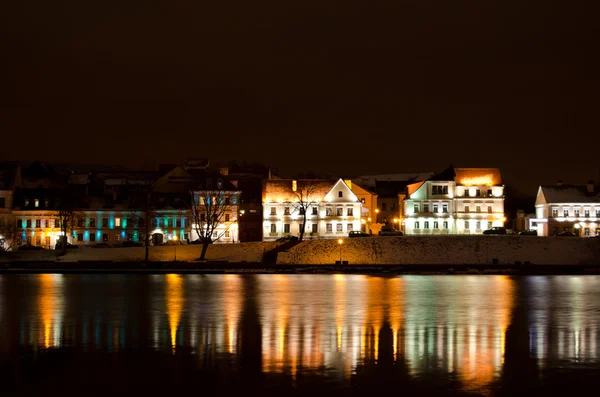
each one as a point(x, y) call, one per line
point(457, 201)
point(333, 209)
point(567, 208)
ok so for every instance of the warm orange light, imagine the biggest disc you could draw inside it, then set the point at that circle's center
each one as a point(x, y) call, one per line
point(396, 220)
point(369, 219)
point(174, 302)
point(340, 241)
point(376, 210)
point(478, 180)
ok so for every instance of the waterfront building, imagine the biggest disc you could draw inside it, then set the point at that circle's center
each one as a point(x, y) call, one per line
point(456, 201)
point(332, 209)
point(567, 208)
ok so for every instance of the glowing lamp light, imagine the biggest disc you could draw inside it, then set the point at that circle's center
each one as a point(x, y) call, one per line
point(577, 226)
point(369, 219)
point(340, 241)
point(377, 210)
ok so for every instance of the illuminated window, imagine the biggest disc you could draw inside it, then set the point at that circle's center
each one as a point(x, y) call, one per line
point(466, 224)
point(445, 224)
point(273, 228)
point(436, 209)
point(349, 227)
point(435, 225)
point(416, 224)
point(350, 211)
point(416, 208)
point(294, 186)
point(105, 222)
point(329, 227)
point(80, 237)
point(117, 222)
point(38, 223)
point(445, 208)
point(340, 194)
point(226, 219)
point(478, 208)
point(466, 208)
point(339, 211)
point(93, 237)
point(566, 213)
point(339, 227)
point(576, 213)
point(490, 209)
point(554, 212)
point(425, 207)
point(286, 228)
point(445, 189)
point(478, 225)
point(315, 211)
point(26, 203)
point(362, 200)
point(286, 210)
point(489, 225)
point(273, 211)
point(426, 225)
point(36, 203)
point(227, 233)
point(597, 213)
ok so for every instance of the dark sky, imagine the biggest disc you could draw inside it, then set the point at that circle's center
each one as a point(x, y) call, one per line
point(339, 87)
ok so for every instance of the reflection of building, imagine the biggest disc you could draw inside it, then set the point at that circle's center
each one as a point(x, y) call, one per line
point(567, 208)
point(456, 201)
point(368, 209)
point(332, 209)
point(10, 179)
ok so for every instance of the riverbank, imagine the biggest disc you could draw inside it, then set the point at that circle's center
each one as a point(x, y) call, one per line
point(261, 268)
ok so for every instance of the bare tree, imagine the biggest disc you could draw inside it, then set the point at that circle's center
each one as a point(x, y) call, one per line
point(9, 235)
point(212, 213)
point(68, 215)
point(306, 197)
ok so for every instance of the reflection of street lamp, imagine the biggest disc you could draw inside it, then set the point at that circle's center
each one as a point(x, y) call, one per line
point(376, 215)
point(340, 242)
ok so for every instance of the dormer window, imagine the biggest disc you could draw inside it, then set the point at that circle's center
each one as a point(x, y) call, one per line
point(36, 203)
point(219, 184)
point(26, 203)
point(46, 203)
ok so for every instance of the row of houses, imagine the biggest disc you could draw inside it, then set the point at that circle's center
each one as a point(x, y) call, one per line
point(117, 205)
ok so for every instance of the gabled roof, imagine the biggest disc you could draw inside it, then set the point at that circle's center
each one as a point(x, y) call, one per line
point(478, 176)
point(558, 194)
point(281, 189)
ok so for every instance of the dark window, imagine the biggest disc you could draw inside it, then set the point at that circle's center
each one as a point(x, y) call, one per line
point(226, 217)
point(93, 237)
point(489, 192)
point(445, 190)
point(105, 223)
point(362, 200)
point(28, 223)
point(339, 211)
point(434, 189)
point(478, 192)
point(79, 222)
point(178, 221)
point(92, 222)
point(340, 194)
point(273, 228)
point(2, 202)
point(329, 211)
point(301, 210)
point(141, 222)
point(286, 228)
point(202, 217)
point(314, 228)
point(315, 211)
point(227, 200)
point(384, 206)
point(38, 223)
point(105, 237)
point(79, 237)
point(350, 211)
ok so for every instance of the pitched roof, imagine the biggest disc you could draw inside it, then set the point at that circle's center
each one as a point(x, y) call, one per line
point(281, 189)
point(569, 194)
point(478, 176)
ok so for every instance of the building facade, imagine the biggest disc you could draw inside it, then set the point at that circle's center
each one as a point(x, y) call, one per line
point(567, 208)
point(332, 209)
point(456, 201)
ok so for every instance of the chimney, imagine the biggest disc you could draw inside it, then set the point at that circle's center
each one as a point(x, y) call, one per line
point(590, 187)
point(559, 183)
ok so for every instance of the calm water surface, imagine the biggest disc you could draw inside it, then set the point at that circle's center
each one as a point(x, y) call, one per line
point(299, 334)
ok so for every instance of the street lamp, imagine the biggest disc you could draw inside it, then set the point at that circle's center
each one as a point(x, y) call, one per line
point(175, 245)
point(396, 220)
point(340, 242)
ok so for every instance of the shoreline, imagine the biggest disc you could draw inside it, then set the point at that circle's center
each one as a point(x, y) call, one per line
point(218, 267)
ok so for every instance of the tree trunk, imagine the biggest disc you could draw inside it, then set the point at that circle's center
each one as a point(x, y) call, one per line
point(303, 228)
point(147, 237)
point(64, 240)
point(205, 245)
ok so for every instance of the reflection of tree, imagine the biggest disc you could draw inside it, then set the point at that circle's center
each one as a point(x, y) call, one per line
point(250, 334)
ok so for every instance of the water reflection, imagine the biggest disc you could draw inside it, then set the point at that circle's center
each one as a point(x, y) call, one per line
point(475, 331)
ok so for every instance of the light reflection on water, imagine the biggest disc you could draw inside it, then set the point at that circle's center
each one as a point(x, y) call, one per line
point(459, 326)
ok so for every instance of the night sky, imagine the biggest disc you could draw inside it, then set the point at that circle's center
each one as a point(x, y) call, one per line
point(337, 87)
